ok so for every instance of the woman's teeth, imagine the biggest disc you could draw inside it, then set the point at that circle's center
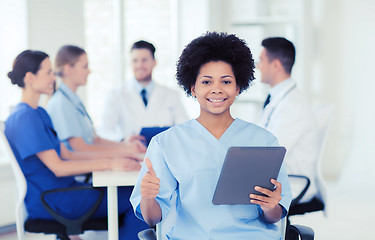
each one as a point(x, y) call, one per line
point(216, 100)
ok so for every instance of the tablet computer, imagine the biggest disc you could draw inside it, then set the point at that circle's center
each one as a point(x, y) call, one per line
point(243, 169)
point(149, 132)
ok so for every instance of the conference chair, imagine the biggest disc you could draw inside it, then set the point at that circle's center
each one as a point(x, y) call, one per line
point(323, 115)
point(61, 227)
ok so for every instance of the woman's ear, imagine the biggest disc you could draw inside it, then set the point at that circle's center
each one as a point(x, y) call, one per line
point(29, 77)
point(192, 90)
point(66, 70)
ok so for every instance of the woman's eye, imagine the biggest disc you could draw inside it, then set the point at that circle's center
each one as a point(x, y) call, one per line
point(205, 82)
point(227, 82)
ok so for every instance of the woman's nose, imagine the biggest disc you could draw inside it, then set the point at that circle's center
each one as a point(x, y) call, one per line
point(216, 89)
point(53, 77)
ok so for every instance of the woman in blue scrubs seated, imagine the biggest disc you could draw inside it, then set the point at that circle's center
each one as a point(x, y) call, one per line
point(69, 116)
point(46, 163)
point(186, 160)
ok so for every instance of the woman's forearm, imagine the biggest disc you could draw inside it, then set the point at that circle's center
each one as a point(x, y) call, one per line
point(273, 215)
point(86, 155)
point(79, 155)
point(62, 168)
point(77, 167)
point(107, 150)
point(78, 144)
point(102, 141)
point(151, 211)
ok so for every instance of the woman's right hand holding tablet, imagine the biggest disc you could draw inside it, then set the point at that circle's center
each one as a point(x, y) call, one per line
point(150, 182)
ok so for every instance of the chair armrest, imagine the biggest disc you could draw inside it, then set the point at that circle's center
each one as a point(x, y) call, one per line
point(302, 193)
point(73, 226)
point(147, 234)
point(295, 232)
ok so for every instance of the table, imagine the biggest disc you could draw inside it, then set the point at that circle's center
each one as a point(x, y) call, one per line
point(111, 180)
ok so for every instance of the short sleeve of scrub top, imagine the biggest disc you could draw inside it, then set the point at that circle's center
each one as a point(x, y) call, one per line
point(32, 134)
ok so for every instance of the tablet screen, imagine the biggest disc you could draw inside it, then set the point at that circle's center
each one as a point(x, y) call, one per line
point(243, 169)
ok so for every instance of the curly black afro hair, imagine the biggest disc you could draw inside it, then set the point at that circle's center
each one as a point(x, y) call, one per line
point(214, 46)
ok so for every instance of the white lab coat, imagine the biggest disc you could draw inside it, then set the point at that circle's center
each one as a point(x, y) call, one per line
point(125, 114)
point(290, 118)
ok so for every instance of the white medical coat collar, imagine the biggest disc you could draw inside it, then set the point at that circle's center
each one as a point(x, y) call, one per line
point(138, 87)
point(279, 90)
point(278, 93)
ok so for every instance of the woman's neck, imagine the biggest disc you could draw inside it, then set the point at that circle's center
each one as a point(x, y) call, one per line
point(30, 98)
point(216, 124)
point(70, 84)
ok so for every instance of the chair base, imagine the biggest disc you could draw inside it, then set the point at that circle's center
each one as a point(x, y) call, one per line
point(44, 226)
point(58, 229)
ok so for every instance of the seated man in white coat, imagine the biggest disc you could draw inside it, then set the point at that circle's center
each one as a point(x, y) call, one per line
point(288, 114)
point(140, 102)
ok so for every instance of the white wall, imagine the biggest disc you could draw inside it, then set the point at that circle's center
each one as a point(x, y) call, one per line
point(329, 80)
point(13, 39)
point(54, 23)
point(344, 36)
point(193, 21)
point(358, 116)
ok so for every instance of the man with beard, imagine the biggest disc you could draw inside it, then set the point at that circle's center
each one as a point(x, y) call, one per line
point(140, 102)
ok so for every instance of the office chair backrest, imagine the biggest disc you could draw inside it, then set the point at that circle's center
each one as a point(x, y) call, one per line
point(21, 213)
point(323, 117)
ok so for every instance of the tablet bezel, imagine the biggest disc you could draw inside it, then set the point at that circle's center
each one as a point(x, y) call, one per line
point(243, 169)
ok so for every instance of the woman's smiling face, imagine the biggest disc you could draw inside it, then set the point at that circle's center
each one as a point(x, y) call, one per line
point(215, 88)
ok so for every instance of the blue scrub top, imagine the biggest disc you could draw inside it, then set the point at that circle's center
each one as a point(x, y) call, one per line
point(188, 160)
point(69, 116)
point(30, 131)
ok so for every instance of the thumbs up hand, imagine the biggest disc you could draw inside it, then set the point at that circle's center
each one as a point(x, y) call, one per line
point(150, 182)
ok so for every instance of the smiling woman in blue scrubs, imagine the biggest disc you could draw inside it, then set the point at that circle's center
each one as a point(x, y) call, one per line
point(46, 163)
point(186, 160)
